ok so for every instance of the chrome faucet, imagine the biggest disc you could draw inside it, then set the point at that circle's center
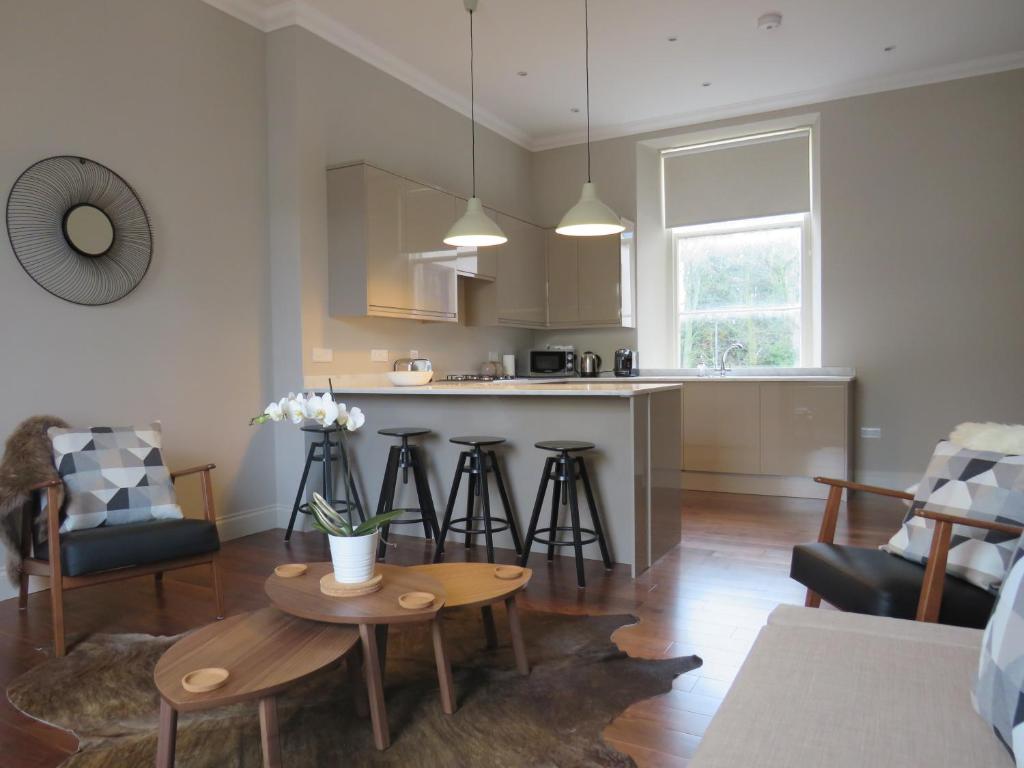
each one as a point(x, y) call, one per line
point(724, 367)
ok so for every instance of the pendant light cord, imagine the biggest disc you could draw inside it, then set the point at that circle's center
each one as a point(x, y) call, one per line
point(586, 48)
point(472, 100)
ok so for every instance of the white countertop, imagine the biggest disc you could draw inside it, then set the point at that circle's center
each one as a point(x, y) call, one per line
point(375, 384)
point(742, 374)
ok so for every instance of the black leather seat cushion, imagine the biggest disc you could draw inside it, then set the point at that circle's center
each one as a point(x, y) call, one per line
point(120, 546)
point(872, 581)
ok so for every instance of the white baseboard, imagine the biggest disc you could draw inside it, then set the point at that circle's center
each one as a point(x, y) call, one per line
point(248, 522)
point(758, 485)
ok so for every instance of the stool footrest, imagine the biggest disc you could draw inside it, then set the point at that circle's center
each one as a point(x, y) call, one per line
point(498, 524)
point(591, 536)
point(410, 520)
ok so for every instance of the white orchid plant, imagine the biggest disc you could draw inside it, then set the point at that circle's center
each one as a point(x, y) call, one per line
point(319, 408)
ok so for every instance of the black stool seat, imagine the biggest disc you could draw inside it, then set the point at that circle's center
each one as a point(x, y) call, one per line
point(318, 429)
point(404, 431)
point(564, 446)
point(477, 440)
point(872, 581)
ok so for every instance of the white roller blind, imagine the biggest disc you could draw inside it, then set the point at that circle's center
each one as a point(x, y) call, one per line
point(768, 177)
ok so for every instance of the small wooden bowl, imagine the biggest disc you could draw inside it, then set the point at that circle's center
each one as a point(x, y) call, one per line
point(291, 570)
point(508, 572)
point(205, 680)
point(414, 601)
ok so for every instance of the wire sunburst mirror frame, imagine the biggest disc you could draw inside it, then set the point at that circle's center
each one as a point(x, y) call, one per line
point(60, 193)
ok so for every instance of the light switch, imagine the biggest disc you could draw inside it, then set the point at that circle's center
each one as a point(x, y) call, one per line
point(323, 355)
point(378, 355)
point(871, 432)
point(414, 353)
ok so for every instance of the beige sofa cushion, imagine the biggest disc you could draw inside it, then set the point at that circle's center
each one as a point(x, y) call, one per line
point(849, 691)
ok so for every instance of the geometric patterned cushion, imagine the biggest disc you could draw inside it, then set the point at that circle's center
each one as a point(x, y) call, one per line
point(982, 485)
point(998, 693)
point(112, 475)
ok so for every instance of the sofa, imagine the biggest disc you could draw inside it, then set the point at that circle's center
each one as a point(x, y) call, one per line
point(846, 690)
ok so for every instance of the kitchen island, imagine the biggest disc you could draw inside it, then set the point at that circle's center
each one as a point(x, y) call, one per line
point(634, 467)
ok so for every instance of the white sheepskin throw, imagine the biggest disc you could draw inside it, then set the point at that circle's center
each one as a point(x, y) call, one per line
point(999, 438)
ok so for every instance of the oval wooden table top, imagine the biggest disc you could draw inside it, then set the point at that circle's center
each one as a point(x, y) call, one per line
point(301, 596)
point(264, 652)
point(472, 585)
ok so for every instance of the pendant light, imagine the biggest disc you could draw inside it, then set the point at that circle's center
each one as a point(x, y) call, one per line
point(589, 217)
point(475, 228)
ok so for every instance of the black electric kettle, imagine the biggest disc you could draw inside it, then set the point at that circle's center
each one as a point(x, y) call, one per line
point(590, 365)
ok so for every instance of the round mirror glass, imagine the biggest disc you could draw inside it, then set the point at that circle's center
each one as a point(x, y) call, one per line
point(88, 230)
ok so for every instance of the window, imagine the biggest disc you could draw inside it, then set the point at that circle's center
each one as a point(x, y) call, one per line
point(746, 282)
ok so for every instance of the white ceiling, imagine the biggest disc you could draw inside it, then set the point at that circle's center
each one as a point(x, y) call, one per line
point(639, 80)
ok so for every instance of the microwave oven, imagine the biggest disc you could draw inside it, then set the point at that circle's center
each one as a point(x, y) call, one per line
point(553, 362)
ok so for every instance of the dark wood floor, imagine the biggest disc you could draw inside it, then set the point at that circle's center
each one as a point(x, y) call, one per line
point(708, 596)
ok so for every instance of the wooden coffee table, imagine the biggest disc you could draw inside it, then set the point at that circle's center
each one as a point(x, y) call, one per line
point(373, 613)
point(264, 652)
point(474, 585)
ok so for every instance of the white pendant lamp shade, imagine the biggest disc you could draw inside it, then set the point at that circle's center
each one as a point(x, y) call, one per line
point(475, 228)
point(590, 217)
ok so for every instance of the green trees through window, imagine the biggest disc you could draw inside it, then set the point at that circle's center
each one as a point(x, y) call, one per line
point(740, 285)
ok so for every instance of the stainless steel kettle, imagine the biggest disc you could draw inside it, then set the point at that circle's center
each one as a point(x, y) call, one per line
point(590, 364)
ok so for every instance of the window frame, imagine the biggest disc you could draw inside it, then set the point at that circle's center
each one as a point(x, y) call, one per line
point(807, 296)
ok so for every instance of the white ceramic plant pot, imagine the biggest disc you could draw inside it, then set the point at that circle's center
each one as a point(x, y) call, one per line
point(353, 557)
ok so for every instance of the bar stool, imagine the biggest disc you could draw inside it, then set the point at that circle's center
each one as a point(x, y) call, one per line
point(566, 470)
point(478, 464)
point(326, 450)
point(406, 457)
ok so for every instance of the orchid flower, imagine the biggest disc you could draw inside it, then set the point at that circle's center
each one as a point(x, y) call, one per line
point(355, 420)
point(295, 408)
point(274, 412)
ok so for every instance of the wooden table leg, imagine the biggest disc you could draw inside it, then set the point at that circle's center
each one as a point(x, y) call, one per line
point(444, 668)
point(354, 663)
point(516, 630)
point(381, 631)
point(490, 631)
point(374, 687)
point(167, 735)
point(269, 736)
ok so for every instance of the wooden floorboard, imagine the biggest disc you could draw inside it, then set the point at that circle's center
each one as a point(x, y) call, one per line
point(708, 596)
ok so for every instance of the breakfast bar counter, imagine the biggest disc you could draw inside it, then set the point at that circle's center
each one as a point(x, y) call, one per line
point(634, 467)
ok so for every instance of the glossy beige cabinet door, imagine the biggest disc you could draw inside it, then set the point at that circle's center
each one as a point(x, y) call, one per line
point(520, 280)
point(427, 214)
point(563, 278)
point(388, 274)
point(804, 429)
point(476, 262)
point(722, 427)
point(600, 267)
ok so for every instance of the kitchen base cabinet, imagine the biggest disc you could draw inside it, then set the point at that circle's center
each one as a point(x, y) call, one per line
point(722, 427)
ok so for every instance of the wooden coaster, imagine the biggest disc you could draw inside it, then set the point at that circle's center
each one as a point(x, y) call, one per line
point(291, 570)
point(414, 601)
point(508, 572)
point(329, 586)
point(205, 680)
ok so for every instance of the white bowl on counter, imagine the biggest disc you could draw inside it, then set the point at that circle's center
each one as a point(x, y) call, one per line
point(410, 378)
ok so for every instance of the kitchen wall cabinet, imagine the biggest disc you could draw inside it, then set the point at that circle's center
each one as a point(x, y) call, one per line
point(474, 262)
point(590, 280)
point(386, 255)
point(517, 297)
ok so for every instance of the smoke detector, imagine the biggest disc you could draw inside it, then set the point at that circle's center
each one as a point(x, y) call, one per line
point(769, 21)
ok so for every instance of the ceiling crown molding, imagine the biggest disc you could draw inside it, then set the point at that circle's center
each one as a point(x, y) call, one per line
point(286, 13)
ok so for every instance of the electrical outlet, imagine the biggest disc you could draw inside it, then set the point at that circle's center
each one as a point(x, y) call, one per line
point(414, 353)
point(873, 433)
point(323, 355)
point(378, 355)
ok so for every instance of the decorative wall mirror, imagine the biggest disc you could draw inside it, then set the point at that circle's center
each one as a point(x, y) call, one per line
point(79, 230)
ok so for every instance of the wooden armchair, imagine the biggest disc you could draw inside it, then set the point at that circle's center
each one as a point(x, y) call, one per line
point(111, 553)
point(872, 581)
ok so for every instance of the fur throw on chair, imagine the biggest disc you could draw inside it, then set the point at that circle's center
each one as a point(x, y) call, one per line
point(27, 460)
point(999, 438)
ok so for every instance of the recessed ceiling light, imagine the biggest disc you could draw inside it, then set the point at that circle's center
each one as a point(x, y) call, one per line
point(769, 21)
point(574, 109)
point(522, 73)
point(705, 84)
point(889, 48)
point(672, 39)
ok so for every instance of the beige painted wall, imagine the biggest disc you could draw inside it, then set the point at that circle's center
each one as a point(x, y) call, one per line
point(171, 96)
point(922, 254)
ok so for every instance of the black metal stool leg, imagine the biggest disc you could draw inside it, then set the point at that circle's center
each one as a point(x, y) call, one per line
point(513, 526)
point(353, 490)
point(595, 515)
point(450, 507)
point(472, 492)
point(423, 495)
point(485, 498)
point(387, 497)
point(556, 498)
point(537, 507)
point(299, 493)
point(574, 511)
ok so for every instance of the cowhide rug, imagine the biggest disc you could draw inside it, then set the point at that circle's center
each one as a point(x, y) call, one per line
point(103, 691)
